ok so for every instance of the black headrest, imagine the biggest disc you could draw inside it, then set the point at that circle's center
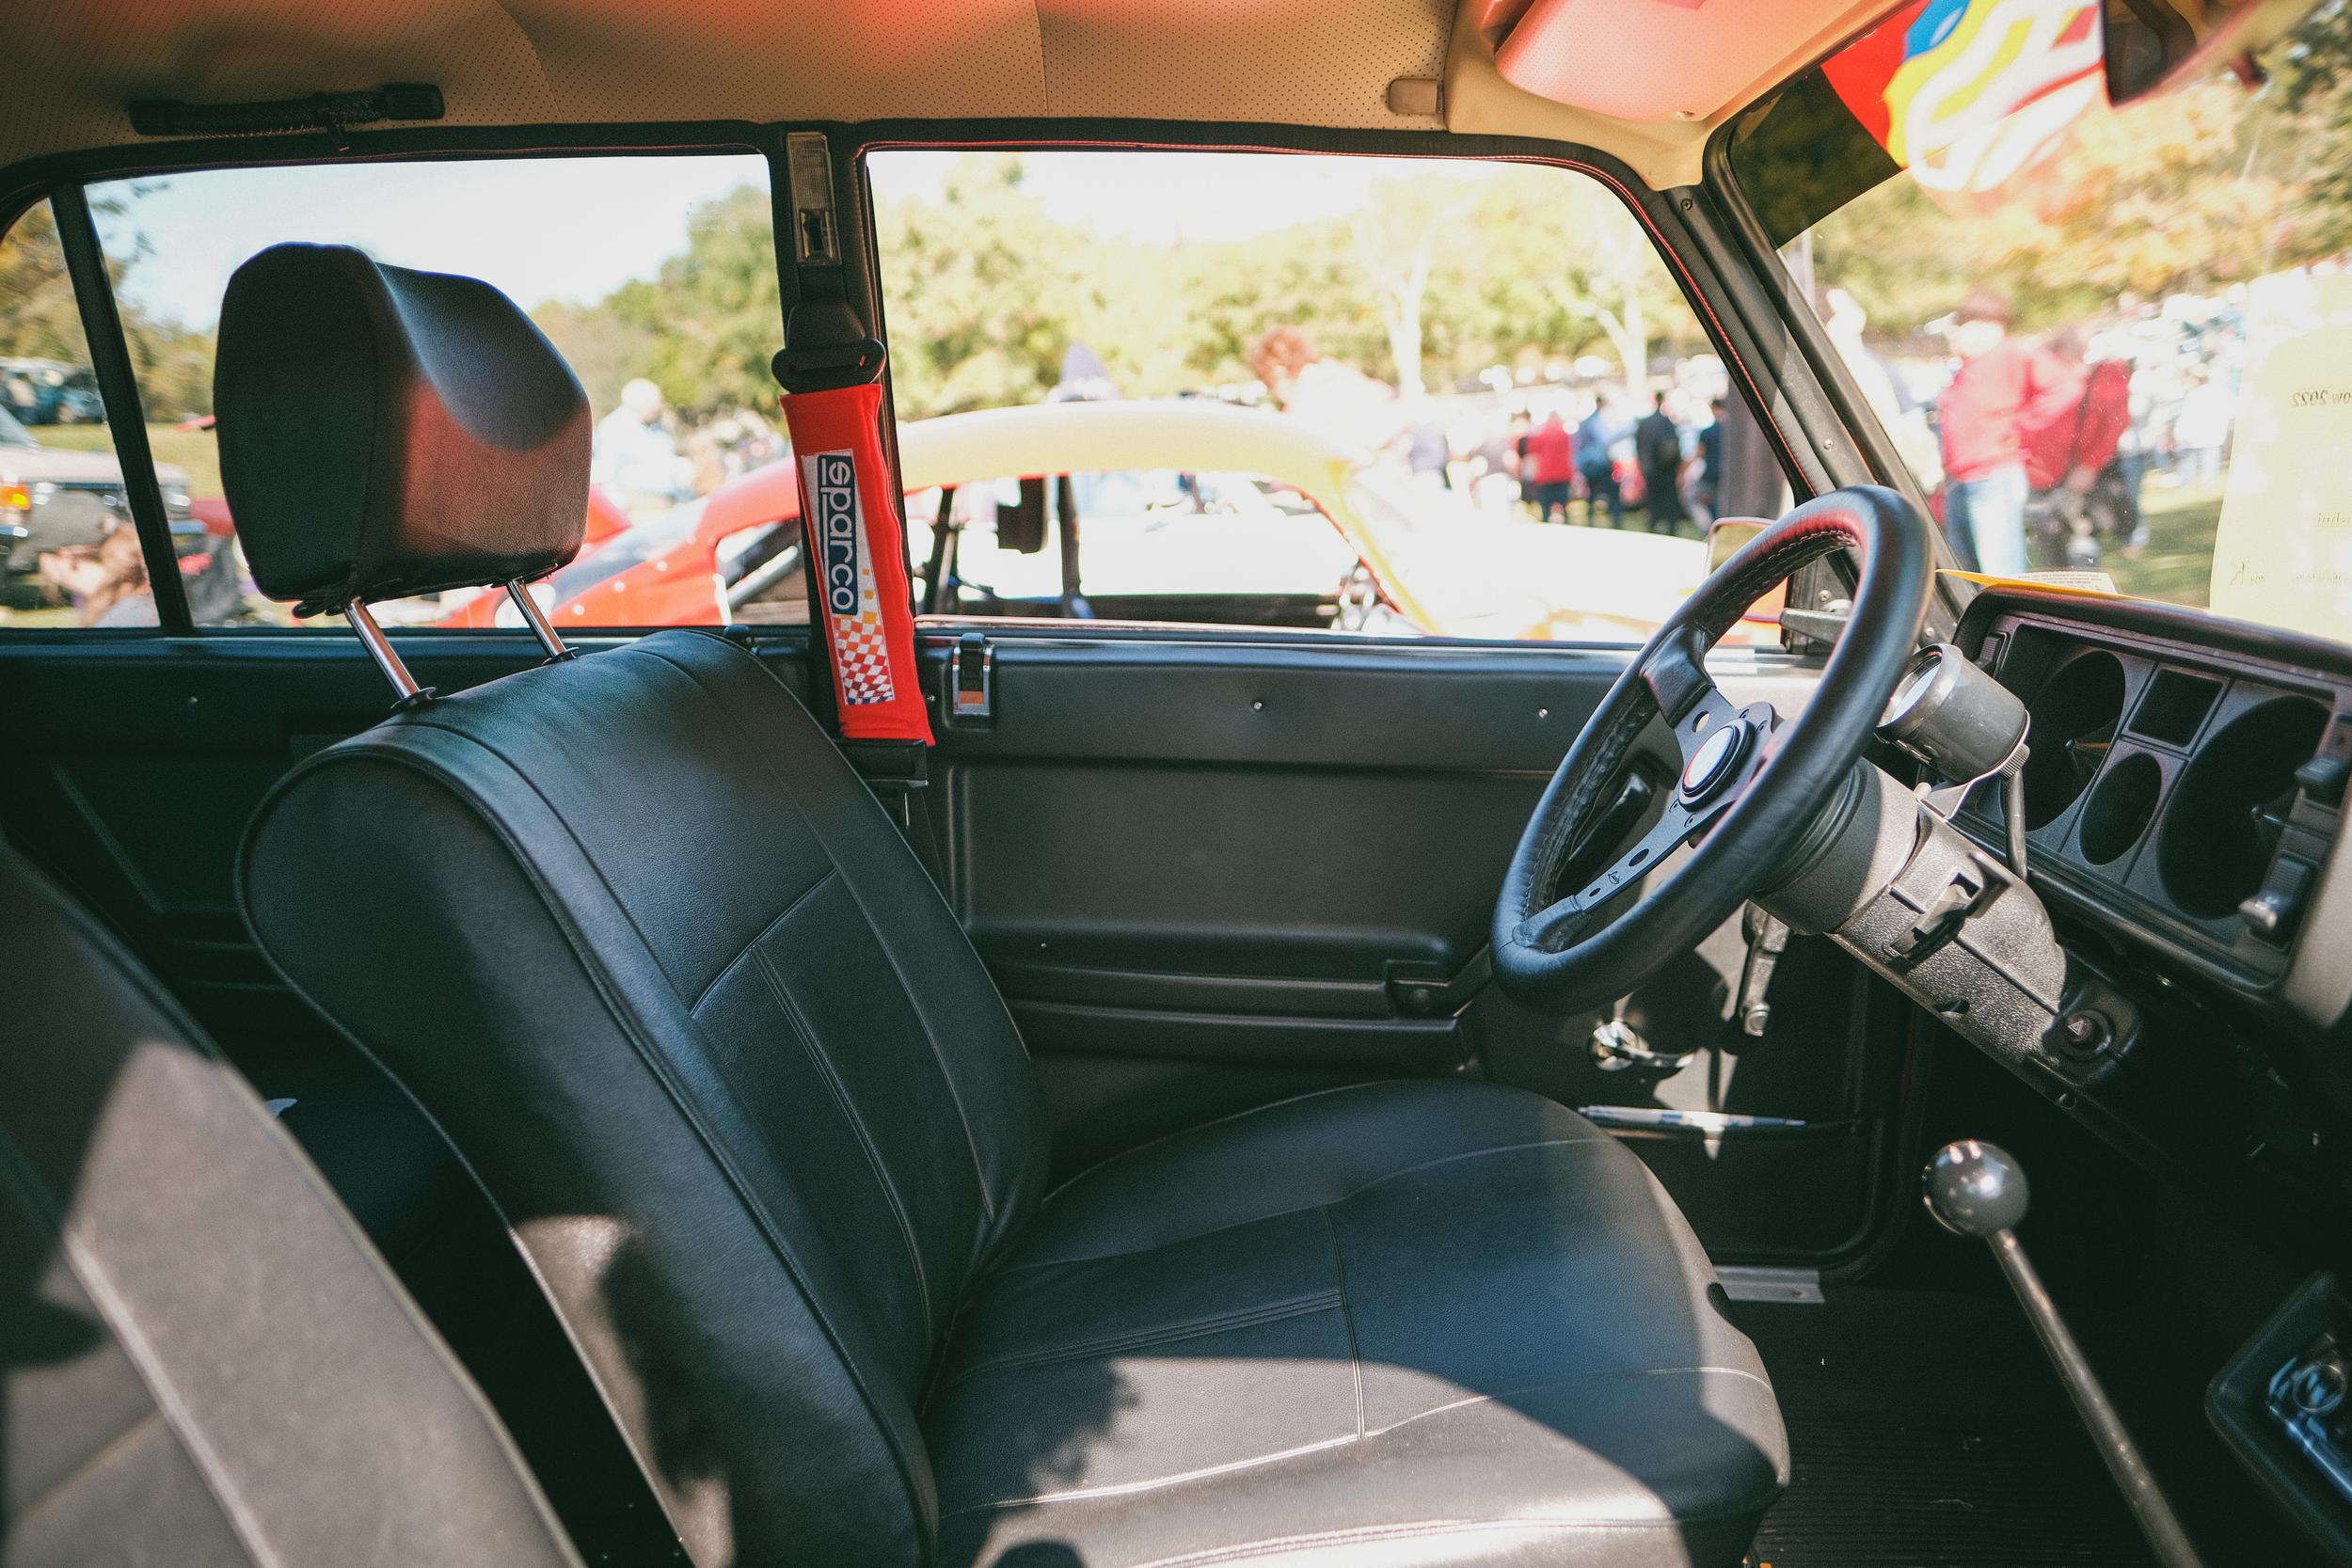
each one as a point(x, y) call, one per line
point(386, 431)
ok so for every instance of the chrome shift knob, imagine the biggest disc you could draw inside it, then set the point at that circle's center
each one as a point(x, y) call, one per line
point(1973, 1188)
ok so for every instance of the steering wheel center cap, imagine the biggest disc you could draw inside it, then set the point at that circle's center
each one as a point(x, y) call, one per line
point(1716, 760)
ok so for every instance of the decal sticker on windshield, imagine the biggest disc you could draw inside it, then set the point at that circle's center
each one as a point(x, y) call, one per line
point(2282, 555)
point(1968, 93)
point(851, 603)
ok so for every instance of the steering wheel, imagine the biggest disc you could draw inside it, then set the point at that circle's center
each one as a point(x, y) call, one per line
point(1751, 783)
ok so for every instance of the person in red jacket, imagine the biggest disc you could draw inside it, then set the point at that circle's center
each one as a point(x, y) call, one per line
point(2068, 455)
point(2005, 387)
point(1550, 467)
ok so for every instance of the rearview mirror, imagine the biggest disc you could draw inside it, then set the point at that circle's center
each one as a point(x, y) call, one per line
point(1022, 526)
point(2152, 46)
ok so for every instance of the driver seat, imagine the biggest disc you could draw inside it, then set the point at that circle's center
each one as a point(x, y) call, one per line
point(635, 935)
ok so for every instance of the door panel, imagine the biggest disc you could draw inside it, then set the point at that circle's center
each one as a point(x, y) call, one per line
point(133, 764)
point(1210, 871)
point(1207, 872)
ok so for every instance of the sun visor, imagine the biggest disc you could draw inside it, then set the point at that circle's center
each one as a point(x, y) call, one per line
point(1646, 61)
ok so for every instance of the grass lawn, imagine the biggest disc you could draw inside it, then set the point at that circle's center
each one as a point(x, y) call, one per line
point(194, 451)
point(2177, 565)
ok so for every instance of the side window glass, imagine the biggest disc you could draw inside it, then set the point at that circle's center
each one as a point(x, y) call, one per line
point(68, 555)
point(1478, 381)
point(1225, 548)
point(656, 277)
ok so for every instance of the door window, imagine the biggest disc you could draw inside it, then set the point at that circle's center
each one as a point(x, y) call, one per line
point(68, 555)
point(656, 277)
point(1481, 374)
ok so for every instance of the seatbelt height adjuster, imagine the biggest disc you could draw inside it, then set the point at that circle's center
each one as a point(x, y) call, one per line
point(971, 679)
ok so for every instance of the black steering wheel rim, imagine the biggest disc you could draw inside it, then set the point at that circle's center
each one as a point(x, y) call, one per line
point(1549, 954)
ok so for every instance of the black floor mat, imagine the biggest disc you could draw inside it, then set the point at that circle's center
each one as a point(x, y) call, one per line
point(1928, 1431)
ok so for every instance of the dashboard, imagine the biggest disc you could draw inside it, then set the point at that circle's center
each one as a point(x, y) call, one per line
point(2183, 798)
point(2184, 788)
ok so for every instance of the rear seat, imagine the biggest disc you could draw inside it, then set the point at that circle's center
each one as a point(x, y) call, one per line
point(201, 1360)
point(396, 1177)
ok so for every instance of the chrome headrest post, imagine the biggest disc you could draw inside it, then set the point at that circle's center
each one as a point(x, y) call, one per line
point(371, 638)
point(536, 619)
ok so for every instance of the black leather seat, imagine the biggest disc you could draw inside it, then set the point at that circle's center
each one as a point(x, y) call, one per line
point(201, 1362)
point(636, 935)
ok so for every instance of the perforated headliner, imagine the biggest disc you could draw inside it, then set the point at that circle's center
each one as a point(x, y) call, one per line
point(74, 64)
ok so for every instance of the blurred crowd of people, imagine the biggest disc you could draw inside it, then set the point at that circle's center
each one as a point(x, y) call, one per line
point(2035, 448)
point(2038, 448)
point(1552, 453)
point(1659, 460)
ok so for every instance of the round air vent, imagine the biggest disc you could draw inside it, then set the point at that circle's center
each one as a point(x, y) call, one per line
point(2230, 803)
point(2120, 807)
point(2075, 715)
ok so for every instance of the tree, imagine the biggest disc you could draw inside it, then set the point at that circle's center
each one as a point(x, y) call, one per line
point(1397, 238)
point(1562, 265)
point(606, 350)
point(714, 314)
point(38, 316)
point(39, 319)
point(2188, 192)
point(980, 289)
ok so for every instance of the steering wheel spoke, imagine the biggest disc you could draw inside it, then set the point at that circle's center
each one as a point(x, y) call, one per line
point(1548, 925)
point(1709, 711)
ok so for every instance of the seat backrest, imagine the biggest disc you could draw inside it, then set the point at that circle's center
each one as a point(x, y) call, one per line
point(635, 935)
point(202, 1361)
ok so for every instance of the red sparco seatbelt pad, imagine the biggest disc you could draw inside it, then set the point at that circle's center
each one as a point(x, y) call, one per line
point(857, 547)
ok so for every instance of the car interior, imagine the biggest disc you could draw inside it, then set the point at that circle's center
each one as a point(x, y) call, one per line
point(925, 1081)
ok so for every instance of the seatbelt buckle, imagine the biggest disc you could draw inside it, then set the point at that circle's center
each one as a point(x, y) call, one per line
point(890, 766)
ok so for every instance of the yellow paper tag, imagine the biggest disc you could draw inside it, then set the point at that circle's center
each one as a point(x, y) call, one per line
point(2283, 553)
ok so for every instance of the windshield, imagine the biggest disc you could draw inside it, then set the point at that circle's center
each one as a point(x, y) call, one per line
point(2111, 341)
point(13, 433)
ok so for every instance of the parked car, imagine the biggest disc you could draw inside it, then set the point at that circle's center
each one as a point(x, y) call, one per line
point(1262, 491)
point(50, 391)
point(1188, 511)
point(52, 498)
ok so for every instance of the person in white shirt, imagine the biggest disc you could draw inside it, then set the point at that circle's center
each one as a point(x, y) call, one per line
point(635, 459)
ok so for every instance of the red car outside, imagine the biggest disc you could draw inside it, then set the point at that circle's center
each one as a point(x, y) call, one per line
point(668, 571)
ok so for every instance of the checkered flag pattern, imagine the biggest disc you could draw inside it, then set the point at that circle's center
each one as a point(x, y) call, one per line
point(864, 662)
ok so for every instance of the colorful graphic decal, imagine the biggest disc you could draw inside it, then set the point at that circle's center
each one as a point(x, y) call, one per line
point(1968, 93)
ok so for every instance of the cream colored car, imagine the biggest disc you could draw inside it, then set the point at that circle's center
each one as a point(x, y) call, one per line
point(1195, 509)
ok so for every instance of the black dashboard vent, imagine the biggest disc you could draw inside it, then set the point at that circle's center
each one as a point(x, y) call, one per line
point(2076, 715)
point(2232, 802)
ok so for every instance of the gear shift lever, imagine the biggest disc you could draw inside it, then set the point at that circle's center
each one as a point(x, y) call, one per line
point(1975, 1189)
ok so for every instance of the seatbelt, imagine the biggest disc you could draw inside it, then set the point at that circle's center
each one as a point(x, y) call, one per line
point(857, 549)
point(852, 537)
point(831, 368)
